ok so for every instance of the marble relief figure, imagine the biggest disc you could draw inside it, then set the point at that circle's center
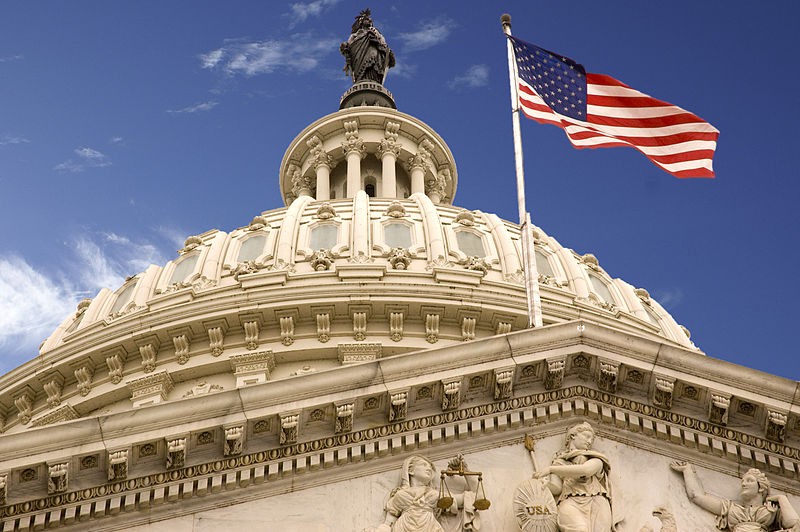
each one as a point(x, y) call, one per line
point(578, 479)
point(755, 511)
point(415, 506)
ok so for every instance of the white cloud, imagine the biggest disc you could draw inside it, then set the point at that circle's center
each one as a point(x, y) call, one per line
point(475, 76)
point(428, 35)
point(9, 139)
point(33, 302)
point(200, 107)
point(31, 306)
point(10, 58)
point(300, 53)
point(301, 11)
point(116, 140)
point(402, 70)
point(669, 298)
point(87, 158)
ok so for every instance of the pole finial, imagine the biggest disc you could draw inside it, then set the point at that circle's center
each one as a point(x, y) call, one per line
point(505, 19)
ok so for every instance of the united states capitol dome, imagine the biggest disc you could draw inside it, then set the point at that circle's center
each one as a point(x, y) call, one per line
point(369, 259)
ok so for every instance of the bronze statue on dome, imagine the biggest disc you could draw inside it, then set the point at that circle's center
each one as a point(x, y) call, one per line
point(367, 56)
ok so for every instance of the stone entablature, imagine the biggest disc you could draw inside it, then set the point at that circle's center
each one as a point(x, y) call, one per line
point(418, 401)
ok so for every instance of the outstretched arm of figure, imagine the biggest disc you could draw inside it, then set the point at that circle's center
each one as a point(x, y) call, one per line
point(789, 517)
point(590, 467)
point(695, 491)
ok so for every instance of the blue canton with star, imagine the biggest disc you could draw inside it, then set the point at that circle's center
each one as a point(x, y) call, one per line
point(560, 81)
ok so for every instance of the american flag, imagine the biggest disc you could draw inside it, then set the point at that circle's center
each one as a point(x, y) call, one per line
point(598, 111)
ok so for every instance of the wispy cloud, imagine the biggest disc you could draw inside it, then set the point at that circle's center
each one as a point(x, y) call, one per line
point(475, 76)
point(197, 108)
point(428, 35)
point(5, 140)
point(669, 298)
point(403, 70)
point(86, 158)
point(116, 140)
point(10, 58)
point(299, 53)
point(34, 302)
point(300, 11)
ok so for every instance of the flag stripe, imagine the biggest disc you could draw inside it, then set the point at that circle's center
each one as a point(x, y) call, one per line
point(610, 113)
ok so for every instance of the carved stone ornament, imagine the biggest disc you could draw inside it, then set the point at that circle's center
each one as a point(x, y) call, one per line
point(52, 387)
point(191, 243)
point(353, 142)
point(432, 328)
point(398, 405)
point(148, 352)
point(344, 418)
point(323, 327)
point(251, 330)
point(82, 306)
point(62, 413)
point(465, 218)
point(662, 395)
point(642, 294)
point(477, 264)
point(422, 158)
point(305, 370)
point(503, 383)
point(435, 187)
point(257, 223)
point(151, 389)
point(321, 260)
point(468, 324)
point(591, 261)
point(181, 343)
point(252, 368)
point(718, 408)
point(396, 326)
point(399, 258)
point(115, 363)
point(360, 352)
point(555, 373)
point(503, 327)
point(118, 465)
point(451, 394)
point(234, 441)
point(84, 374)
point(318, 156)
point(24, 404)
point(246, 267)
point(57, 478)
point(216, 339)
point(3, 489)
point(289, 427)
point(607, 376)
point(203, 387)
point(287, 330)
point(396, 210)
point(776, 426)
point(176, 453)
point(360, 326)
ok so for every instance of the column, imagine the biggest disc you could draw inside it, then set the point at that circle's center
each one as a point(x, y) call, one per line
point(353, 147)
point(323, 180)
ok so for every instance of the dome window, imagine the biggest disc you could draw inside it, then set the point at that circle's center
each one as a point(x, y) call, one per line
point(470, 244)
point(369, 188)
point(252, 248)
point(324, 236)
point(543, 265)
point(183, 269)
point(599, 287)
point(397, 235)
point(123, 298)
point(652, 317)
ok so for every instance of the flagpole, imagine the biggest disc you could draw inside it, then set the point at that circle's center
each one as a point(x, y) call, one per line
point(528, 258)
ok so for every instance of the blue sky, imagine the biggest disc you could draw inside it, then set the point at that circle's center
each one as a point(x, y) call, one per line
point(127, 126)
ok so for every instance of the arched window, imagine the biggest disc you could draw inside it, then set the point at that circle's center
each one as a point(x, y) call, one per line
point(599, 287)
point(74, 324)
point(369, 188)
point(652, 316)
point(543, 265)
point(123, 298)
point(252, 248)
point(397, 235)
point(470, 244)
point(183, 269)
point(324, 236)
